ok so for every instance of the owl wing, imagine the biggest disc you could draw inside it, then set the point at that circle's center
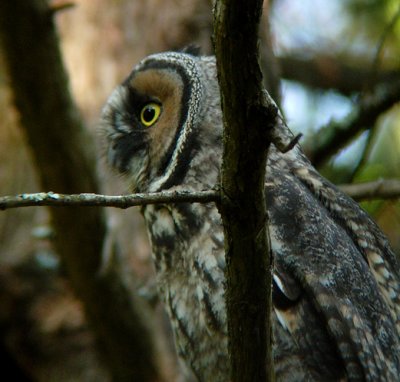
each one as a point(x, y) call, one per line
point(336, 281)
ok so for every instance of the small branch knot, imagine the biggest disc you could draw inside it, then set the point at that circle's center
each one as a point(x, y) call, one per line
point(286, 148)
point(57, 7)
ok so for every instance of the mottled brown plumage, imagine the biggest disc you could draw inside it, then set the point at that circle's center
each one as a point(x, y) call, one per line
point(336, 280)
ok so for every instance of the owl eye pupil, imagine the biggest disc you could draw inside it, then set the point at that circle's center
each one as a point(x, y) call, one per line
point(150, 114)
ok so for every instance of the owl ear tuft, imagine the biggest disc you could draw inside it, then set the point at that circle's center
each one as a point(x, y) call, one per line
point(192, 49)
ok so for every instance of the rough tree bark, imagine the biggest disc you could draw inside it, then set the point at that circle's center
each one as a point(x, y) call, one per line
point(243, 208)
point(64, 155)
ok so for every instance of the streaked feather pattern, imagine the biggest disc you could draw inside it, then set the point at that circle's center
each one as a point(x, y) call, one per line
point(336, 280)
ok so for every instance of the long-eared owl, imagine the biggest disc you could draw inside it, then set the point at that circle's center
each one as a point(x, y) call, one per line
point(336, 285)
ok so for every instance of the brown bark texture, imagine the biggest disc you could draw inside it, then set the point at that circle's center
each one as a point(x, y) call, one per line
point(246, 124)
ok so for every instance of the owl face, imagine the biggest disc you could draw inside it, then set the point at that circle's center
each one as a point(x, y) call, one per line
point(152, 121)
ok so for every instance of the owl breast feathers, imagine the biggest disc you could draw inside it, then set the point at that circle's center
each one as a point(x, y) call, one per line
point(336, 280)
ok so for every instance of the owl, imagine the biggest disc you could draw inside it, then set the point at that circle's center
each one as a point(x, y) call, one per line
point(336, 311)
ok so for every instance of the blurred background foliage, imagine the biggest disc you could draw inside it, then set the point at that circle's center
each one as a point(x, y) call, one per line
point(101, 41)
point(364, 34)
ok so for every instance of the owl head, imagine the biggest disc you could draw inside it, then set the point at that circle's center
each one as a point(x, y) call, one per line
point(159, 120)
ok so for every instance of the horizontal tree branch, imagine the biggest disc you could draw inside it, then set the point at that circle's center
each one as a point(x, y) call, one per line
point(378, 189)
point(96, 200)
point(346, 76)
point(337, 134)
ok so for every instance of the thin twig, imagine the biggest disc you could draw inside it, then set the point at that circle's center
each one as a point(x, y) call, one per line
point(378, 189)
point(381, 43)
point(291, 145)
point(97, 200)
point(365, 153)
point(59, 7)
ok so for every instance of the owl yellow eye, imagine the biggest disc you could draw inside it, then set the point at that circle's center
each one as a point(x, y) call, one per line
point(150, 114)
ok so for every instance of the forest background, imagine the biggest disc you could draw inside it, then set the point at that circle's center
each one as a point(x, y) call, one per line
point(331, 62)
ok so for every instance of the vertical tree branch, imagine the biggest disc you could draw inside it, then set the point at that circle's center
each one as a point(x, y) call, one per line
point(247, 119)
point(65, 159)
point(269, 63)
